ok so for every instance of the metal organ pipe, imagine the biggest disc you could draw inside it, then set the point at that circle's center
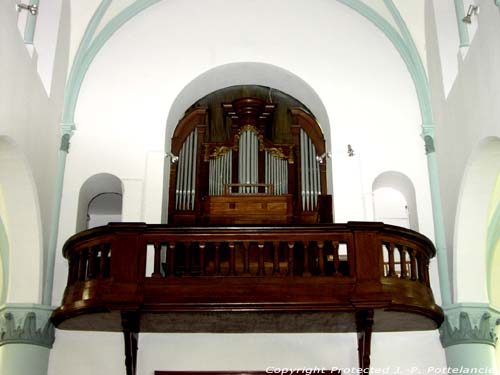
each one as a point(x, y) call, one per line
point(185, 189)
point(219, 173)
point(310, 189)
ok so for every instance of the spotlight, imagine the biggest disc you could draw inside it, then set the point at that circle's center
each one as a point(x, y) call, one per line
point(32, 8)
point(473, 10)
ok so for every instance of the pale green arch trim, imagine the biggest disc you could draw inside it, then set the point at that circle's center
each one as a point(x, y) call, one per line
point(71, 94)
point(88, 51)
point(413, 62)
point(29, 29)
point(410, 42)
point(463, 31)
point(4, 256)
point(492, 240)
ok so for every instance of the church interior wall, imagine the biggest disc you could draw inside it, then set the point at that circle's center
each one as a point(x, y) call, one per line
point(122, 125)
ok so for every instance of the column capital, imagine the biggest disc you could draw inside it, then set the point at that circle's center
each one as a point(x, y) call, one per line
point(428, 131)
point(469, 323)
point(67, 128)
point(26, 324)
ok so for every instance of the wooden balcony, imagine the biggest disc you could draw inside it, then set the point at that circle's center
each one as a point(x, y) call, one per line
point(355, 277)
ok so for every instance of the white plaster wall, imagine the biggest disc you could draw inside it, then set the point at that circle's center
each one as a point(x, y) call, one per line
point(469, 114)
point(121, 122)
point(28, 115)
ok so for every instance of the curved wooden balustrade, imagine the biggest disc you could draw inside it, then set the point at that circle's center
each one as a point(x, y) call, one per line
point(248, 279)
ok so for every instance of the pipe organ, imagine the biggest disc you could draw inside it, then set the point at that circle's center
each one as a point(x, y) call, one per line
point(248, 178)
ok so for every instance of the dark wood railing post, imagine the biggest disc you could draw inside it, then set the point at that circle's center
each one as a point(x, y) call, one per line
point(202, 258)
point(157, 247)
point(291, 247)
point(321, 259)
point(261, 271)
point(130, 326)
point(276, 260)
point(364, 326)
point(369, 259)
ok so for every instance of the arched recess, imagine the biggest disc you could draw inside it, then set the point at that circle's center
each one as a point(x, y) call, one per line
point(401, 184)
point(472, 256)
point(20, 217)
point(244, 73)
point(100, 197)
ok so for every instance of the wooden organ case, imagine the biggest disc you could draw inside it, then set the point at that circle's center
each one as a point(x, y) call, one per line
point(242, 175)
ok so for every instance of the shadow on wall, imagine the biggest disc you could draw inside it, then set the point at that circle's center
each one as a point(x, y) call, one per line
point(100, 201)
point(476, 234)
point(19, 210)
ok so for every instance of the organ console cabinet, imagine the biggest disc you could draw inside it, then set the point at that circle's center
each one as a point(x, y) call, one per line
point(242, 174)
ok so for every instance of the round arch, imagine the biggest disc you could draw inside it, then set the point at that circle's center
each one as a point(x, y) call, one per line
point(20, 218)
point(94, 186)
point(91, 44)
point(244, 73)
point(473, 218)
point(403, 184)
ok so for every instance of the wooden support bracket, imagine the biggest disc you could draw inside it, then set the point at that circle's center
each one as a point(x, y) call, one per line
point(130, 326)
point(364, 324)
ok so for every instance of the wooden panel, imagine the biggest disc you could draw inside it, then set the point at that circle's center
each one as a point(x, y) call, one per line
point(248, 209)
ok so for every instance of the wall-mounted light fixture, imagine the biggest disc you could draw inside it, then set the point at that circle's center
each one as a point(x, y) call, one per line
point(322, 158)
point(173, 158)
point(350, 151)
point(473, 10)
point(32, 8)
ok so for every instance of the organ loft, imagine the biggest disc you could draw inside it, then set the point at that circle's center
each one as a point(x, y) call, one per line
point(250, 244)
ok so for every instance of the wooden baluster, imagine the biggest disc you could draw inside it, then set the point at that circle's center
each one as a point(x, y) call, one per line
point(102, 262)
point(92, 254)
point(426, 272)
point(82, 265)
point(336, 261)
point(73, 265)
point(171, 256)
point(232, 271)
point(321, 259)
point(156, 272)
point(107, 260)
point(392, 272)
point(187, 259)
point(246, 257)
point(217, 259)
point(276, 258)
point(291, 246)
point(402, 256)
point(261, 271)
point(306, 272)
point(202, 258)
point(413, 265)
point(420, 267)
